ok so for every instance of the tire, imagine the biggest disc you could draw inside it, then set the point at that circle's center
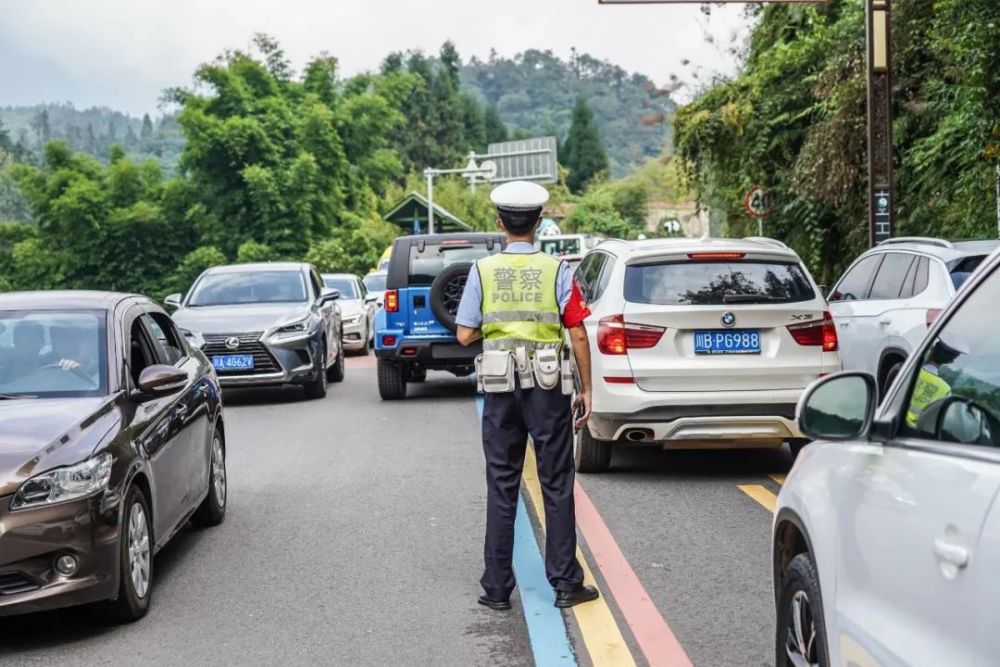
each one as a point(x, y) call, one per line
point(391, 380)
point(890, 377)
point(132, 603)
point(212, 510)
point(795, 446)
point(316, 388)
point(800, 594)
point(335, 373)
point(446, 292)
point(417, 374)
point(591, 455)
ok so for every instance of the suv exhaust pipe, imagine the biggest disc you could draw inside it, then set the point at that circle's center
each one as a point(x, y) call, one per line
point(639, 435)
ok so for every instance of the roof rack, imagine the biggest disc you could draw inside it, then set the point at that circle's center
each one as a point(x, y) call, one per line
point(766, 240)
point(927, 240)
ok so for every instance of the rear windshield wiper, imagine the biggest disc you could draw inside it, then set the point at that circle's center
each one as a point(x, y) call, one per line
point(8, 397)
point(748, 298)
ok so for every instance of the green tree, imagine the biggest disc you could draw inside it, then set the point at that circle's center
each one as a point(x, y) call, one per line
point(496, 130)
point(583, 153)
point(147, 127)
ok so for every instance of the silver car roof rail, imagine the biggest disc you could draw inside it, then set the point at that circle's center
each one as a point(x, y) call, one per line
point(926, 240)
point(765, 239)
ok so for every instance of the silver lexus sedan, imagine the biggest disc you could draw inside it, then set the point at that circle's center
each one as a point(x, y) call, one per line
point(265, 324)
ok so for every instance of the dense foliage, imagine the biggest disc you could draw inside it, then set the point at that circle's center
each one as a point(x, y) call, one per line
point(535, 91)
point(583, 153)
point(794, 120)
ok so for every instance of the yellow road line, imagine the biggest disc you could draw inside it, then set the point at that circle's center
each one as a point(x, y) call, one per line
point(601, 635)
point(780, 479)
point(760, 494)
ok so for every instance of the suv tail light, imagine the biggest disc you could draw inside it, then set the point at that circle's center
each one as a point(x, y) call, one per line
point(823, 333)
point(616, 336)
point(391, 301)
point(932, 315)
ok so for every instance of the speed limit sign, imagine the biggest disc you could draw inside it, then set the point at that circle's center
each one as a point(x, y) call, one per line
point(757, 202)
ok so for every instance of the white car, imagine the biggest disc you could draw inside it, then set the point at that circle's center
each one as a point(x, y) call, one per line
point(699, 343)
point(357, 309)
point(888, 297)
point(375, 284)
point(886, 541)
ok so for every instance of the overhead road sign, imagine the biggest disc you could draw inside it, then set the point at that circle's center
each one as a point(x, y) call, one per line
point(523, 160)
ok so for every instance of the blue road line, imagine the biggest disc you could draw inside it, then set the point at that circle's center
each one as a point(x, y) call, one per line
point(546, 628)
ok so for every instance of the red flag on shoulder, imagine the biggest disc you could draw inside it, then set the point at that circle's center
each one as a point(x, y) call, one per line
point(576, 310)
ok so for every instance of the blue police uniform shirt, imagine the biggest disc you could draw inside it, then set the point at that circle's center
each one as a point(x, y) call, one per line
point(470, 313)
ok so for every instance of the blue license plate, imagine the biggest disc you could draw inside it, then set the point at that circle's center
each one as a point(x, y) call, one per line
point(735, 341)
point(233, 362)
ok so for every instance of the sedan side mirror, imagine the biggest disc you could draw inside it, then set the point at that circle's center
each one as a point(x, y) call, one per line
point(328, 295)
point(839, 407)
point(174, 300)
point(371, 298)
point(160, 379)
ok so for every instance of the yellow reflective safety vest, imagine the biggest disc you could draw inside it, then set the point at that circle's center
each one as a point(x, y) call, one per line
point(928, 389)
point(520, 306)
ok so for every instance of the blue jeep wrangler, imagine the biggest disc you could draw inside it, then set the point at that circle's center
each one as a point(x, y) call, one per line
point(415, 328)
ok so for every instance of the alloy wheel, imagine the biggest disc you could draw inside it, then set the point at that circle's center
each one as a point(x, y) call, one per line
point(138, 550)
point(219, 470)
point(800, 644)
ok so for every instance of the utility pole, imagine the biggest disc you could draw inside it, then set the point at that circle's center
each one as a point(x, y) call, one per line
point(880, 186)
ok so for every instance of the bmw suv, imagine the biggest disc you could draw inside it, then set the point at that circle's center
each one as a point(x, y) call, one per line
point(699, 344)
point(265, 324)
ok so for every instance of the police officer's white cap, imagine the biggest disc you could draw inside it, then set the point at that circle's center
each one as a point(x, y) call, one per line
point(519, 196)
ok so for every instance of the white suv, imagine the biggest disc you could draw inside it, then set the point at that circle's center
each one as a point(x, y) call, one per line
point(887, 544)
point(888, 297)
point(699, 344)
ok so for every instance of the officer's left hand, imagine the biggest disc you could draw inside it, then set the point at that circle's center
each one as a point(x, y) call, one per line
point(582, 399)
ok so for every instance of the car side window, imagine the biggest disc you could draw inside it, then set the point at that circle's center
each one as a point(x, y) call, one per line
point(580, 275)
point(921, 276)
point(891, 275)
point(857, 281)
point(590, 272)
point(317, 284)
point(140, 352)
point(165, 336)
point(601, 282)
point(955, 396)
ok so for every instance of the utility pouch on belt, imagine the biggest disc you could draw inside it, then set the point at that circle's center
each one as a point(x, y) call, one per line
point(524, 374)
point(546, 363)
point(567, 374)
point(496, 371)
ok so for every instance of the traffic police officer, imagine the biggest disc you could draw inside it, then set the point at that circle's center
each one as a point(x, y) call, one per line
point(520, 300)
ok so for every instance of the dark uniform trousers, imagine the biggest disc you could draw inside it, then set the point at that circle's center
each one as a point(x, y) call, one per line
point(508, 419)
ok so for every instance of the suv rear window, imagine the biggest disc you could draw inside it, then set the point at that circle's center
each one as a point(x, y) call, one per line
point(427, 264)
point(716, 283)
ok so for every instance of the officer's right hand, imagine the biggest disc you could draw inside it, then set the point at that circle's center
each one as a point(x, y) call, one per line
point(582, 400)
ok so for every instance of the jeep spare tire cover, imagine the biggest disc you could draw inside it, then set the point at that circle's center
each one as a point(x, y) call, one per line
point(446, 292)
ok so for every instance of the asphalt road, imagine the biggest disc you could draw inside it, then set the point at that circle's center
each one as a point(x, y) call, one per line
point(353, 537)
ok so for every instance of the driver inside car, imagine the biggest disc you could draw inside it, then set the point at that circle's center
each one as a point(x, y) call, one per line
point(70, 351)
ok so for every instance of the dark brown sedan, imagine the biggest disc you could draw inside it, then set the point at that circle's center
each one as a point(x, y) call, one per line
point(111, 439)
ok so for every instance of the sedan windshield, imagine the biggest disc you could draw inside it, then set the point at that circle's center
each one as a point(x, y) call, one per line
point(346, 286)
point(53, 353)
point(230, 288)
point(375, 282)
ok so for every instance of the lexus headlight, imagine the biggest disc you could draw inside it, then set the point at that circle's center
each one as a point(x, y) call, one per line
point(62, 484)
point(291, 329)
point(193, 337)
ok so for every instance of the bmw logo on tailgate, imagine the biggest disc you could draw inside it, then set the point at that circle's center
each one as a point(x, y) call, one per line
point(233, 342)
point(728, 320)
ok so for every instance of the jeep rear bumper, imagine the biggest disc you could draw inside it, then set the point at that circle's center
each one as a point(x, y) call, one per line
point(438, 354)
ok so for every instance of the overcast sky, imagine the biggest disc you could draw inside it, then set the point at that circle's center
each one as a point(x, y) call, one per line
point(123, 53)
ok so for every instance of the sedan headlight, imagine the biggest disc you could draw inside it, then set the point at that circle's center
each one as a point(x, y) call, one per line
point(351, 319)
point(62, 484)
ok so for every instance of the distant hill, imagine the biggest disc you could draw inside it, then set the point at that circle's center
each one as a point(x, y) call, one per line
point(93, 131)
point(534, 92)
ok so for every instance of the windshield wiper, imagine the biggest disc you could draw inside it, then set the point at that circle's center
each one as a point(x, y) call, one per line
point(748, 298)
point(8, 397)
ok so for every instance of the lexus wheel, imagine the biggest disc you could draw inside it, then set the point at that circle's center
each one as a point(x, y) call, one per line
point(316, 388)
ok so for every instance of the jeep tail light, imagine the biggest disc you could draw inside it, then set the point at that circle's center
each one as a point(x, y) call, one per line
point(932, 315)
point(822, 333)
point(391, 301)
point(616, 336)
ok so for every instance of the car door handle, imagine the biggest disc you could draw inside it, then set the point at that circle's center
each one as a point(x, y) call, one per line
point(950, 553)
